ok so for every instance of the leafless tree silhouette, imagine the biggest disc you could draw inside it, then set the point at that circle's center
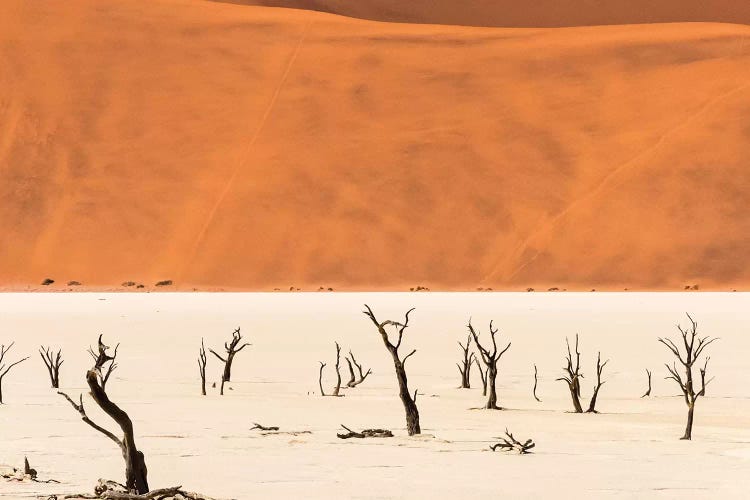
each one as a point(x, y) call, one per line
point(464, 367)
point(648, 392)
point(490, 358)
point(535, 384)
point(4, 367)
point(573, 376)
point(202, 360)
point(694, 345)
point(232, 350)
point(320, 378)
point(409, 401)
point(599, 383)
point(135, 463)
point(53, 361)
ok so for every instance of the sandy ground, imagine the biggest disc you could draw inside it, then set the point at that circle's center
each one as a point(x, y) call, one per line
point(630, 450)
point(223, 145)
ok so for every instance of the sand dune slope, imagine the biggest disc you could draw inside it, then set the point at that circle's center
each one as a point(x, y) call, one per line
point(539, 13)
point(223, 145)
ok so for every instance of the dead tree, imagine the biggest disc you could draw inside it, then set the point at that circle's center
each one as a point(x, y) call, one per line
point(135, 463)
point(53, 362)
point(352, 379)
point(5, 369)
point(599, 383)
point(694, 346)
point(202, 360)
point(362, 374)
point(535, 384)
point(104, 374)
point(465, 366)
point(366, 433)
point(232, 350)
point(509, 443)
point(320, 378)
point(490, 360)
point(573, 376)
point(409, 401)
point(482, 375)
point(338, 371)
point(648, 392)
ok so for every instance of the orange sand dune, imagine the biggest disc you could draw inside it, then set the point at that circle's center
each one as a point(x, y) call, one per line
point(524, 14)
point(223, 145)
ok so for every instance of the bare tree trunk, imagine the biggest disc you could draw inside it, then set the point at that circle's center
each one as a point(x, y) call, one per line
point(483, 376)
point(689, 427)
point(573, 374)
point(599, 383)
point(409, 402)
point(202, 367)
point(465, 366)
point(338, 372)
point(320, 378)
point(535, 384)
point(648, 392)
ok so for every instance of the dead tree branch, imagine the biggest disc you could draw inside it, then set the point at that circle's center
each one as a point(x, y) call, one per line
point(362, 375)
point(366, 433)
point(337, 388)
point(202, 360)
point(535, 384)
point(648, 391)
point(509, 443)
point(101, 358)
point(320, 378)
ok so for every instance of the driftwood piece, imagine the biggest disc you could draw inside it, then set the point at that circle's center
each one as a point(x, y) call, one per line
point(409, 401)
point(366, 433)
point(510, 443)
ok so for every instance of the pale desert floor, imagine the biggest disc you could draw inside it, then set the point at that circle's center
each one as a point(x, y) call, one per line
point(630, 450)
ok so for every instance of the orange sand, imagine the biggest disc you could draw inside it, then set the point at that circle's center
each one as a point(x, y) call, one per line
point(242, 147)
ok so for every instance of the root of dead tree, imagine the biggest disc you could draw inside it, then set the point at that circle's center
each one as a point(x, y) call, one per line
point(509, 443)
point(366, 433)
point(112, 490)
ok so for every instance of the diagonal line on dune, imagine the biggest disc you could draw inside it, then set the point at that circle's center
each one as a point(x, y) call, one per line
point(246, 153)
point(599, 187)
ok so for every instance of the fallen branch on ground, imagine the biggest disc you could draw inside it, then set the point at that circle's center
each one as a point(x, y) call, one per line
point(366, 433)
point(509, 443)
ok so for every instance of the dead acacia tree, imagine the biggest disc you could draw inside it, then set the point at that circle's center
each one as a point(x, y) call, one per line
point(409, 401)
point(599, 383)
point(4, 367)
point(464, 367)
point(354, 382)
point(53, 362)
point(482, 375)
point(509, 443)
point(573, 376)
point(320, 378)
point(490, 358)
point(112, 365)
point(135, 463)
point(535, 384)
point(694, 345)
point(232, 350)
point(648, 392)
point(202, 360)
